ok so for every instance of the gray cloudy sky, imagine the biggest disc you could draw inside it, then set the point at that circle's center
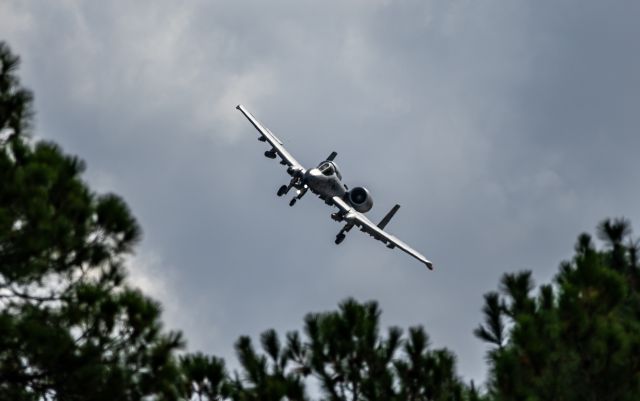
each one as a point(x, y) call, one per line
point(504, 128)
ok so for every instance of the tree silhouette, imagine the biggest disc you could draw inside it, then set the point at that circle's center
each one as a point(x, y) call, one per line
point(345, 352)
point(15, 101)
point(265, 377)
point(205, 377)
point(493, 330)
point(71, 328)
point(578, 339)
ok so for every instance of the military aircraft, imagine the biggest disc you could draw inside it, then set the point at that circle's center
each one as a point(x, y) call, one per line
point(326, 182)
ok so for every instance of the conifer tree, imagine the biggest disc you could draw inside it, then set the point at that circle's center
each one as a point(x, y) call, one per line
point(576, 340)
point(71, 329)
point(352, 360)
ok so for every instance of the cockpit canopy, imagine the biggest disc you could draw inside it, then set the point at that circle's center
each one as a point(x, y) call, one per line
point(329, 168)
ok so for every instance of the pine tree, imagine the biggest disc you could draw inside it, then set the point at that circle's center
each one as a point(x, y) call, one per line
point(352, 360)
point(71, 329)
point(576, 340)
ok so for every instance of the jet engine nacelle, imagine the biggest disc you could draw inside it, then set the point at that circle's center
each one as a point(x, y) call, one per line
point(360, 199)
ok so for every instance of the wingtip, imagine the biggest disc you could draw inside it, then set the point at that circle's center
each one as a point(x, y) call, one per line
point(429, 265)
point(238, 107)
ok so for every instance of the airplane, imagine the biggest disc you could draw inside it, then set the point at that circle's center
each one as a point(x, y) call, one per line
point(326, 182)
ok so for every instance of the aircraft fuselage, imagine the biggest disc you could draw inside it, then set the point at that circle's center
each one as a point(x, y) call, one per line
point(326, 184)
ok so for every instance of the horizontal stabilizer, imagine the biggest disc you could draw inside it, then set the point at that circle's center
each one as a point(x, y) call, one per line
point(383, 223)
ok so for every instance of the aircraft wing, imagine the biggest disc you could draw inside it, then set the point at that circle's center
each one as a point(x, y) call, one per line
point(354, 217)
point(273, 140)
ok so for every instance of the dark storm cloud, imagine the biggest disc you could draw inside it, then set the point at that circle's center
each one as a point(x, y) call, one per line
point(503, 128)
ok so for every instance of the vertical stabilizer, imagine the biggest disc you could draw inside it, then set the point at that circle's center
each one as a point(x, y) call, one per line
point(383, 223)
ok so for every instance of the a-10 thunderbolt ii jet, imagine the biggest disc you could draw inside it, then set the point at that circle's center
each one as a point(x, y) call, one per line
point(326, 182)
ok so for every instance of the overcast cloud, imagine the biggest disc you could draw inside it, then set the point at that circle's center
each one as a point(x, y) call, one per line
point(503, 128)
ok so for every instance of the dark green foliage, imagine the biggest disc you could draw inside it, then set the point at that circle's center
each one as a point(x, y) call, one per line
point(426, 374)
point(70, 328)
point(493, 331)
point(205, 377)
point(348, 354)
point(265, 377)
point(345, 351)
point(15, 101)
point(577, 340)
